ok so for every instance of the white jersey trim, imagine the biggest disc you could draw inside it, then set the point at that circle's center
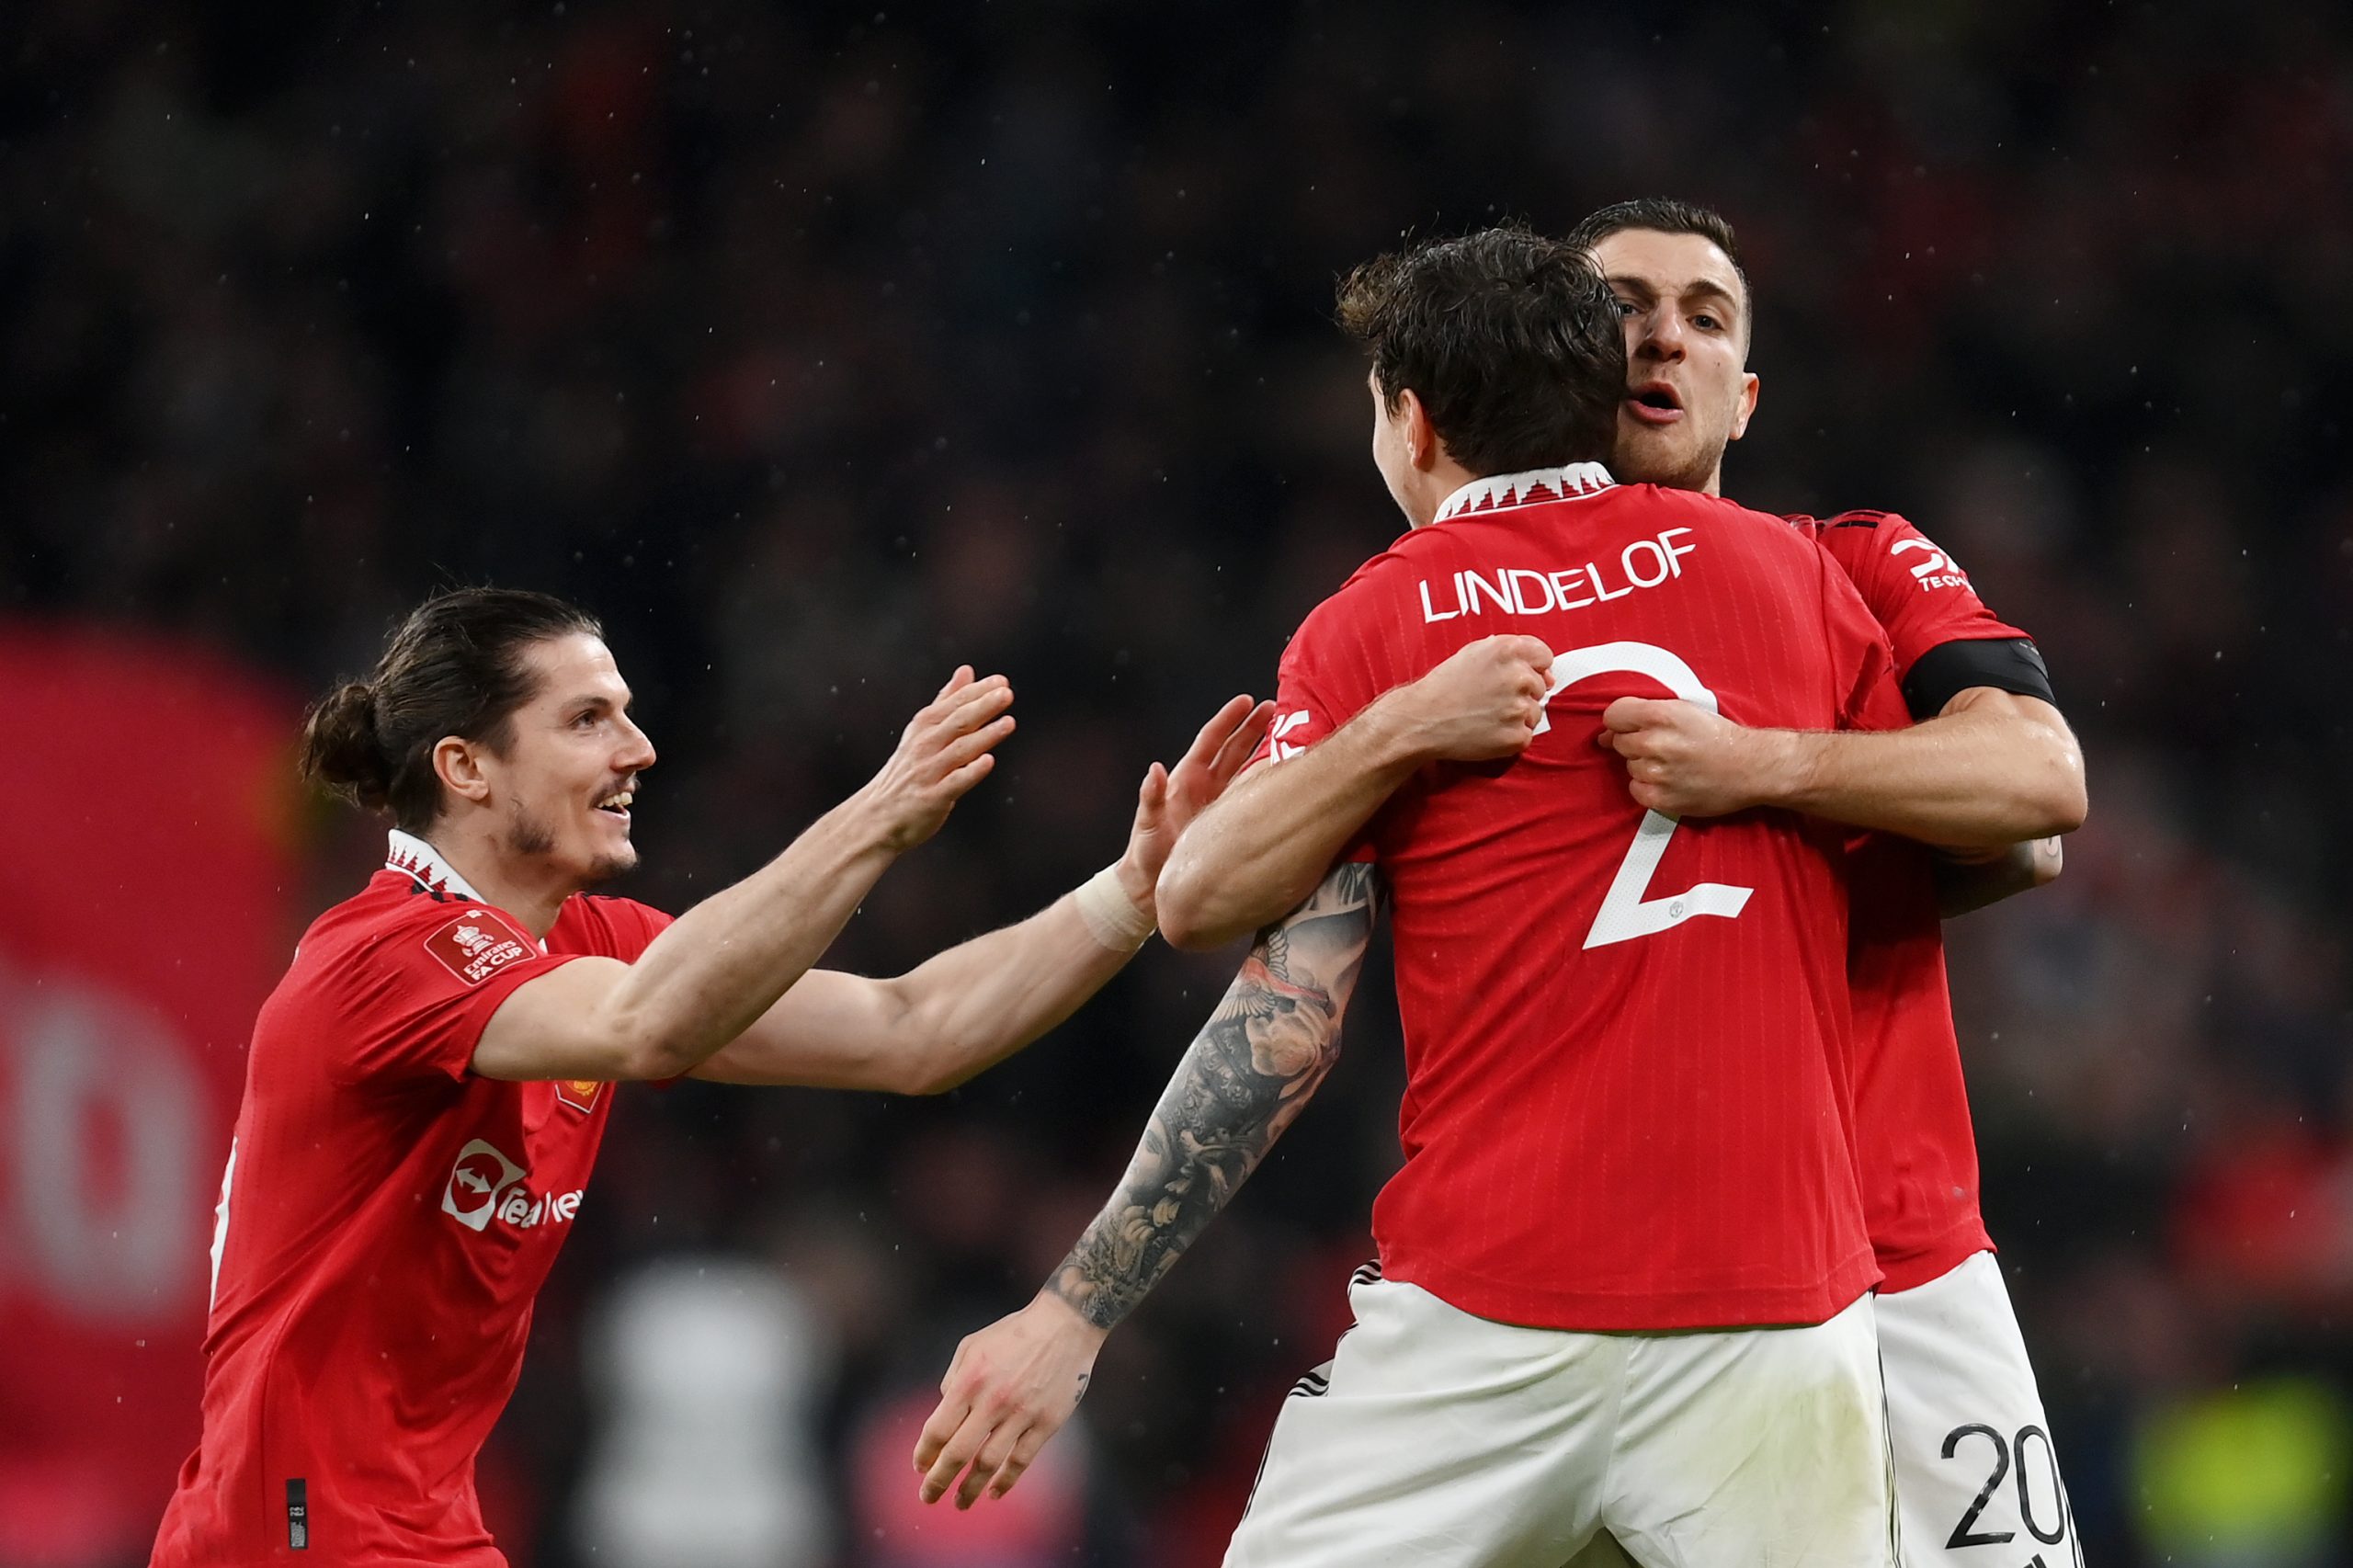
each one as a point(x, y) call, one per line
point(1536, 485)
point(413, 856)
point(406, 852)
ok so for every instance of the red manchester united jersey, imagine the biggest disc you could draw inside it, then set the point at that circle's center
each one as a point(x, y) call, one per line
point(1628, 1084)
point(1913, 1138)
point(386, 1219)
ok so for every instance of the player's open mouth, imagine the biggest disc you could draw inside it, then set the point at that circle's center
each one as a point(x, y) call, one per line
point(617, 805)
point(1655, 403)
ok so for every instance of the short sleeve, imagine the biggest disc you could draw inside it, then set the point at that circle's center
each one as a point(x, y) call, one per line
point(1918, 594)
point(1330, 672)
point(1333, 668)
point(416, 997)
point(1866, 692)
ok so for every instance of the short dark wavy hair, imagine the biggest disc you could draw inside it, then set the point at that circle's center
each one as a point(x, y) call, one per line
point(1510, 339)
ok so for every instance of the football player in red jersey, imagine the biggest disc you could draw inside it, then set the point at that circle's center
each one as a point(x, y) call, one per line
point(1962, 1404)
point(1990, 762)
point(1624, 1271)
point(427, 1089)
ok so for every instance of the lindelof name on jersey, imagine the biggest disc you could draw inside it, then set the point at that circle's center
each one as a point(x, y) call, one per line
point(485, 1185)
point(1649, 563)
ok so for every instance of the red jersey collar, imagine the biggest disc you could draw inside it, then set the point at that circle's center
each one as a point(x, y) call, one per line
point(1498, 491)
point(412, 856)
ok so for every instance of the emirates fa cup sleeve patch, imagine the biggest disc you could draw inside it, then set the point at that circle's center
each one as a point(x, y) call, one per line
point(478, 944)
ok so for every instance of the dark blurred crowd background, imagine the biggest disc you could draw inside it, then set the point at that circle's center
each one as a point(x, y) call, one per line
point(821, 348)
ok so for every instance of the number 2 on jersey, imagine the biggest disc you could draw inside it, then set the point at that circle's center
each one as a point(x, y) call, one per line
point(1625, 914)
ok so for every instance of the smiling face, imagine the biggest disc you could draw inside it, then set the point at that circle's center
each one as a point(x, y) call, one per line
point(1688, 392)
point(562, 784)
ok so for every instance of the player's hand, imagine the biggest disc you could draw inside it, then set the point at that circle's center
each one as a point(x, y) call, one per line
point(1482, 703)
point(1169, 800)
point(1683, 761)
point(943, 752)
point(1010, 1388)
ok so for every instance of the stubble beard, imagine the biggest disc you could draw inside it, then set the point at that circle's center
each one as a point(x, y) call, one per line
point(528, 835)
point(1655, 462)
point(529, 838)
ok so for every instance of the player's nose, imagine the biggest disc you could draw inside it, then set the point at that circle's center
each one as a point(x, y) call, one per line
point(1663, 334)
point(637, 749)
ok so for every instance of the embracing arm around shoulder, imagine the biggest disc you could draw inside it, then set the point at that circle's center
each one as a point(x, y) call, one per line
point(1263, 848)
point(724, 962)
point(1248, 1075)
point(1991, 769)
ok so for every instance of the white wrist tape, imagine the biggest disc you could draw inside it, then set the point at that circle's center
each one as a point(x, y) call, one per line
point(1111, 916)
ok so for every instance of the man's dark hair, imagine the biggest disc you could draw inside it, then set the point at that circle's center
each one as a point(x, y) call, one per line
point(1510, 339)
point(457, 666)
point(1665, 215)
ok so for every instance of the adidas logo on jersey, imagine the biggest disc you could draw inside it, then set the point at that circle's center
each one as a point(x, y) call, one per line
point(485, 1185)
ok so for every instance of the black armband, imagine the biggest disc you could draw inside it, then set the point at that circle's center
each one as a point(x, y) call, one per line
point(2006, 664)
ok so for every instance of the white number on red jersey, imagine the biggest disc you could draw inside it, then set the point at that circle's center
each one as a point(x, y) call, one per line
point(1625, 914)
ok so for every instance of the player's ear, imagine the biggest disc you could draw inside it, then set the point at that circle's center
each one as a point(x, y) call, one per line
point(1745, 410)
point(1414, 425)
point(458, 763)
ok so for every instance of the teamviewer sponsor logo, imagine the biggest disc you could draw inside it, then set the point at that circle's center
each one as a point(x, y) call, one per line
point(481, 1175)
point(485, 1185)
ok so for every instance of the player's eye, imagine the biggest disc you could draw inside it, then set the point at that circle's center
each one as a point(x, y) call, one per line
point(1625, 307)
point(1708, 321)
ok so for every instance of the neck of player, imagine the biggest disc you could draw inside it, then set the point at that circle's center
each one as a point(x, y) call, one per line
point(530, 887)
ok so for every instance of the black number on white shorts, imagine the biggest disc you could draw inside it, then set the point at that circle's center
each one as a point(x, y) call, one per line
point(2026, 1503)
point(1962, 1533)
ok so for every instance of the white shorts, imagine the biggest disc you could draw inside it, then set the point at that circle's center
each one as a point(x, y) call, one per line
point(1435, 1437)
point(1976, 1478)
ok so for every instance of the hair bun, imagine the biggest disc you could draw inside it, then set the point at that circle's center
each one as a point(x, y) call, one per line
point(340, 746)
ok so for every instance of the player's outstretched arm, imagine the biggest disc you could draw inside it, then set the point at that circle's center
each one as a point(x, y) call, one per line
point(1992, 770)
point(1271, 841)
point(724, 963)
point(981, 1001)
point(1249, 1073)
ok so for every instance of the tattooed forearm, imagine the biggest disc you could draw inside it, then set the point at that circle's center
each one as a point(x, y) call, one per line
point(1250, 1071)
